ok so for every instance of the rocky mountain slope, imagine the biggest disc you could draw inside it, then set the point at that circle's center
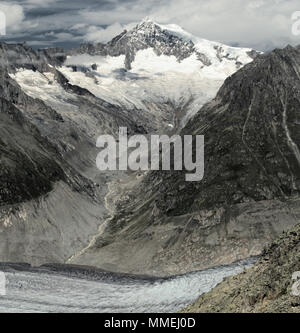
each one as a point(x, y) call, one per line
point(270, 286)
point(52, 198)
point(250, 191)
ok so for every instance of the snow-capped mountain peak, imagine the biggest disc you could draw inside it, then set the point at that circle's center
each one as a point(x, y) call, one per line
point(148, 26)
point(173, 40)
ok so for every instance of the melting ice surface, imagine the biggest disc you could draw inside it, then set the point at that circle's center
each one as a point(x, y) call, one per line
point(56, 292)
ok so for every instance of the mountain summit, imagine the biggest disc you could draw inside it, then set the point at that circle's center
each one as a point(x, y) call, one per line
point(150, 34)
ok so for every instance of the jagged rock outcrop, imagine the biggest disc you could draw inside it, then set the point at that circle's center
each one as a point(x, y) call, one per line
point(270, 286)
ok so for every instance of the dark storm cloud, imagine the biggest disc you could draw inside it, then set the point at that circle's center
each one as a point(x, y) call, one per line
point(262, 24)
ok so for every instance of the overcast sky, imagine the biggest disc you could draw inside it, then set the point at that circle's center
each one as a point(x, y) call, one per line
point(261, 24)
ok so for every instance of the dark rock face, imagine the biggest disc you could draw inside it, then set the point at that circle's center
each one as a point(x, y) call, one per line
point(266, 287)
point(252, 137)
point(27, 166)
point(250, 191)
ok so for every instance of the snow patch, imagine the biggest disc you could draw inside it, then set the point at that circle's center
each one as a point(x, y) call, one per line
point(44, 87)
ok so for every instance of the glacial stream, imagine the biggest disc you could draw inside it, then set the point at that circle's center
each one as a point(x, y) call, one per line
point(59, 290)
